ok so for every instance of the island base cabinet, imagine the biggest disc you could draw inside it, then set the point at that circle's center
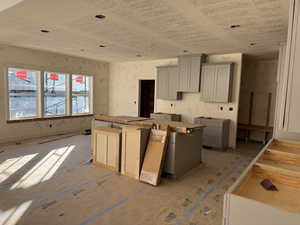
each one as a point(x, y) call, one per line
point(107, 147)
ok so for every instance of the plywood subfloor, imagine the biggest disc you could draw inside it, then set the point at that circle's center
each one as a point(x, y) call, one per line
point(53, 183)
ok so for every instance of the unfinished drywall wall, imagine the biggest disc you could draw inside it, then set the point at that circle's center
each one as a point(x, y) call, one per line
point(259, 78)
point(124, 92)
point(40, 60)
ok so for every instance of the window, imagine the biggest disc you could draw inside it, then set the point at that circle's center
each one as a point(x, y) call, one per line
point(52, 95)
point(81, 92)
point(23, 89)
point(55, 99)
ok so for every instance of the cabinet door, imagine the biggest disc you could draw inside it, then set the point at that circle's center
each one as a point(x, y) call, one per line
point(184, 64)
point(162, 83)
point(173, 83)
point(194, 79)
point(207, 83)
point(189, 72)
point(222, 79)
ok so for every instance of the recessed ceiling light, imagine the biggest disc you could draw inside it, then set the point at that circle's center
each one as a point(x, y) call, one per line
point(101, 17)
point(44, 31)
point(102, 46)
point(233, 26)
point(138, 55)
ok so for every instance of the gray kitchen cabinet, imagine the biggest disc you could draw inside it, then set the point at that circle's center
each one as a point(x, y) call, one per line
point(162, 83)
point(167, 83)
point(207, 83)
point(189, 67)
point(216, 82)
point(215, 133)
point(184, 153)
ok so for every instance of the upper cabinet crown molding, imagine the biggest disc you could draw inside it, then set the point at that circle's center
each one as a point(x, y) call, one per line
point(189, 67)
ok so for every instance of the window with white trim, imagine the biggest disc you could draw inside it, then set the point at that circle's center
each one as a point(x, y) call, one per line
point(81, 92)
point(23, 90)
point(52, 94)
point(55, 94)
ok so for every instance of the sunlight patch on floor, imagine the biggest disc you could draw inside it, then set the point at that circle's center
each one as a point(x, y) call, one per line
point(12, 216)
point(10, 166)
point(45, 169)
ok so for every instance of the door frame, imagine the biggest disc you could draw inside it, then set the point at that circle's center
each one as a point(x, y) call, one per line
point(139, 95)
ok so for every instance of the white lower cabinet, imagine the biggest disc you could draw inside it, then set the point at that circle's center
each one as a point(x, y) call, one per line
point(248, 203)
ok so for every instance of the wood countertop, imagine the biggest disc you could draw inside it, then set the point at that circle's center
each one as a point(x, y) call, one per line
point(180, 127)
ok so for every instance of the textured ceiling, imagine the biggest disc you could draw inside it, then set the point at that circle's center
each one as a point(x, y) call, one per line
point(150, 28)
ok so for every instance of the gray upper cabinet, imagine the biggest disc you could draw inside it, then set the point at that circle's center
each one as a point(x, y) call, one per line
point(216, 82)
point(167, 83)
point(207, 82)
point(189, 67)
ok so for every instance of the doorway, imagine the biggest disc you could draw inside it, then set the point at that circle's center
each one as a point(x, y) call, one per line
point(147, 90)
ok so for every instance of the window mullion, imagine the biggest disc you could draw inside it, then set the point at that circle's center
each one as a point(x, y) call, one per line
point(91, 95)
point(69, 95)
point(41, 95)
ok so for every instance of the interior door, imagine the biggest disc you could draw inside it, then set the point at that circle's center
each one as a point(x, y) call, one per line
point(147, 90)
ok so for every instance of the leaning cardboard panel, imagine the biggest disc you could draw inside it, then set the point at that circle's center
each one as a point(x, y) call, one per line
point(154, 157)
point(134, 143)
point(107, 147)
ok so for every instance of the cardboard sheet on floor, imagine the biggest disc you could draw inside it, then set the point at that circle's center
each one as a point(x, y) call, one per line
point(154, 157)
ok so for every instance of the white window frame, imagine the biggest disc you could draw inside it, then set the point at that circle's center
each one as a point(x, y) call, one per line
point(40, 94)
point(37, 94)
point(66, 95)
point(89, 95)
